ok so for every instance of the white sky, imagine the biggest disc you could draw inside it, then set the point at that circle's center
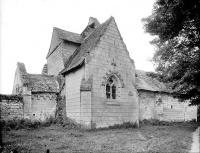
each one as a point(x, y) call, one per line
point(27, 25)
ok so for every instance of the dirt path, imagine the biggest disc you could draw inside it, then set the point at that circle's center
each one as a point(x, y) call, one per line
point(195, 145)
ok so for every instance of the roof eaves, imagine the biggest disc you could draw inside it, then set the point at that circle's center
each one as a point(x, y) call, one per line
point(59, 34)
point(54, 49)
point(156, 91)
point(79, 64)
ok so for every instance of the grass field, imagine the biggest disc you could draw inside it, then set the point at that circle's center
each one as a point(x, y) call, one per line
point(175, 137)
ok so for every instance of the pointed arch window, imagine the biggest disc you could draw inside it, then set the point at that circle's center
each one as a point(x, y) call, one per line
point(111, 88)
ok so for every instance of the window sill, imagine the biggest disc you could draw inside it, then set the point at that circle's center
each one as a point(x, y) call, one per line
point(112, 102)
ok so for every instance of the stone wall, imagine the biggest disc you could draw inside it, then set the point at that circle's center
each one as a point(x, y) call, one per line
point(11, 106)
point(73, 103)
point(36, 106)
point(27, 105)
point(147, 105)
point(111, 58)
point(163, 106)
point(86, 110)
point(43, 105)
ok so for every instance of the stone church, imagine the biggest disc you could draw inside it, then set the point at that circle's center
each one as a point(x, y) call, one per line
point(91, 79)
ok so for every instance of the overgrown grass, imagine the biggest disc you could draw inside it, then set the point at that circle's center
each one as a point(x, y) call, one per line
point(16, 123)
point(68, 123)
point(124, 125)
point(156, 122)
point(124, 138)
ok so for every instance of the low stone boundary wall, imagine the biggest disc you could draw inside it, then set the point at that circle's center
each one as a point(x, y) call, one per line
point(11, 106)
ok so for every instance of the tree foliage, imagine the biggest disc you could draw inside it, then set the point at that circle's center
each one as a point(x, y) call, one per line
point(176, 27)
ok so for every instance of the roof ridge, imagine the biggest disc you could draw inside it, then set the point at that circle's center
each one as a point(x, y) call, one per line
point(85, 41)
point(60, 35)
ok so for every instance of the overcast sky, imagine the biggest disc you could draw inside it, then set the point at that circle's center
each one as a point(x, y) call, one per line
point(27, 25)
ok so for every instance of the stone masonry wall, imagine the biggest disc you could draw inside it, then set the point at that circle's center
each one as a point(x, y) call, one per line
point(111, 57)
point(73, 83)
point(163, 106)
point(27, 105)
point(43, 105)
point(147, 105)
point(86, 105)
point(11, 106)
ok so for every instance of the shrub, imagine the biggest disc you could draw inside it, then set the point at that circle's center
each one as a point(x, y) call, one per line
point(17, 123)
point(49, 121)
point(124, 125)
point(193, 120)
point(155, 122)
point(70, 124)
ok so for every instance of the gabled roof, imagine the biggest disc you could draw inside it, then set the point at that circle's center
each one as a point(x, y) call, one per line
point(88, 44)
point(60, 35)
point(37, 82)
point(146, 82)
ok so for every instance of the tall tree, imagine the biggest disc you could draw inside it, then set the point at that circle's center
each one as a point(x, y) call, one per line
point(176, 27)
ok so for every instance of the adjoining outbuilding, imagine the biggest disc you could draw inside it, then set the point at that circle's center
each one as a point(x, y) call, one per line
point(39, 92)
point(91, 79)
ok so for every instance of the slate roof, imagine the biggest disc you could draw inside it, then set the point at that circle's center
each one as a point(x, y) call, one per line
point(146, 82)
point(88, 44)
point(60, 35)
